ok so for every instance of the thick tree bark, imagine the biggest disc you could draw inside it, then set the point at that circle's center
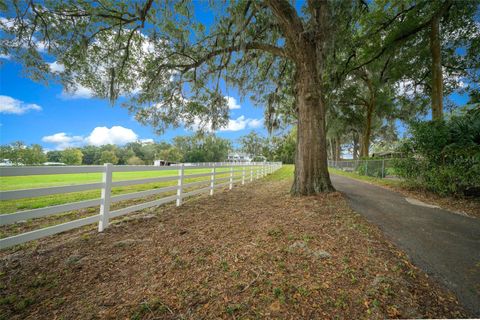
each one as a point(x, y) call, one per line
point(437, 76)
point(305, 48)
point(311, 170)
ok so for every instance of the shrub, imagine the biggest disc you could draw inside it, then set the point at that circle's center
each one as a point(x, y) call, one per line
point(135, 161)
point(373, 168)
point(443, 156)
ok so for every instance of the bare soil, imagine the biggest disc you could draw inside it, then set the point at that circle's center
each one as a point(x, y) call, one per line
point(253, 252)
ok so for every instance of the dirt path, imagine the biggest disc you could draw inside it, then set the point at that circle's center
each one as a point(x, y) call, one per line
point(253, 252)
point(443, 244)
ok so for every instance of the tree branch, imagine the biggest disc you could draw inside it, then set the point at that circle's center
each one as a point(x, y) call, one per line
point(289, 20)
point(404, 36)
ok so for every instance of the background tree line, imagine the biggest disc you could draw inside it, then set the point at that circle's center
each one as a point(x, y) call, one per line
point(195, 148)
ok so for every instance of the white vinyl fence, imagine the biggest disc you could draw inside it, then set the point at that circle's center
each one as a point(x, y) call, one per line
point(220, 175)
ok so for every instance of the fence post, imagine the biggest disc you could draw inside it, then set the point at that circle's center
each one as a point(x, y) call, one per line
point(251, 173)
point(383, 168)
point(243, 175)
point(106, 193)
point(366, 167)
point(212, 180)
point(180, 185)
point(231, 178)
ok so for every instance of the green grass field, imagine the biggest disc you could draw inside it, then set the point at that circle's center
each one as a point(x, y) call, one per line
point(41, 181)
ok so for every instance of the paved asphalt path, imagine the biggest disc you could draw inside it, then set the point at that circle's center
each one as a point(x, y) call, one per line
point(445, 245)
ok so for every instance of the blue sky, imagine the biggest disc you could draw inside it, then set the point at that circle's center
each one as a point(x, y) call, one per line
point(37, 113)
point(40, 111)
point(45, 114)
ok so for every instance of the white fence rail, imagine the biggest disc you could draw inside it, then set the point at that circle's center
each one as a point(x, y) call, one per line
point(229, 174)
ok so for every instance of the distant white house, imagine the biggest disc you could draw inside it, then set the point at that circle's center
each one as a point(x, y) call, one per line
point(6, 163)
point(54, 164)
point(239, 157)
point(160, 163)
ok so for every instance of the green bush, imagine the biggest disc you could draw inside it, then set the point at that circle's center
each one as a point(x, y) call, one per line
point(372, 169)
point(443, 156)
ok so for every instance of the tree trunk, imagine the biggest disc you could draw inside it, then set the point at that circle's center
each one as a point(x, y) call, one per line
point(306, 49)
point(330, 149)
point(364, 150)
point(311, 170)
point(338, 149)
point(355, 146)
point(334, 148)
point(437, 76)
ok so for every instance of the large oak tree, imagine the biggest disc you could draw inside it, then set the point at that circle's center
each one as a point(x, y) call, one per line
point(172, 67)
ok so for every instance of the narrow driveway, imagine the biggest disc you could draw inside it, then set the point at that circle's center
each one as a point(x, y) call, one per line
point(444, 244)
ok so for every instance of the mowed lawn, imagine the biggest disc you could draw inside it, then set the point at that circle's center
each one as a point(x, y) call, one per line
point(43, 181)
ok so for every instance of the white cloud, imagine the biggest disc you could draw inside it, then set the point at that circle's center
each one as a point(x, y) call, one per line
point(41, 46)
point(237, 124)
point(242, 123)
point(114, 135)
point(61, 137)
point(5, 56)
point(232, 103)
point(63, 141)
point(14, 106)
point(255, 123)
point(99, 136)
point(146, 141)
point(406, 88)
point(56, 67)
point(6, 22)
point(453, 79)
point(80, 92)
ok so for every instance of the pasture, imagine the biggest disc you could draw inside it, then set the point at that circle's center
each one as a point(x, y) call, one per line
point(42, 181)
point(55, 180)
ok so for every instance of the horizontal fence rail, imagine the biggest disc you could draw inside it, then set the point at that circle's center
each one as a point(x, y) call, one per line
point(219, 174)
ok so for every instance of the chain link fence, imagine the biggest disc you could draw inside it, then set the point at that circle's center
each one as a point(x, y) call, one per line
point(382, 168)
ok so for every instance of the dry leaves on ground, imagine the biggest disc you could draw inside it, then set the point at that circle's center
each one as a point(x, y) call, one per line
point(253, 252)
